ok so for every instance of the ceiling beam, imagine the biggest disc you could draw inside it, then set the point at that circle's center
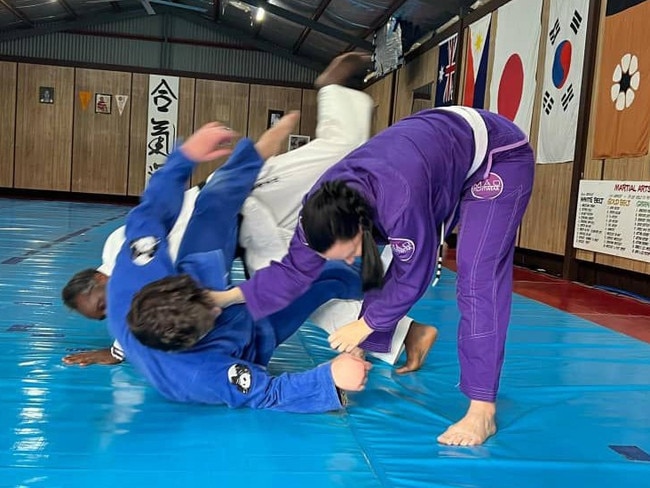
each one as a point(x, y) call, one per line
point(305, 32)
point(307, 22)
point(17, 13)
point(247, 38)
point(381, 20)
point(68, 9)
point(80, 23)
point(216, 6)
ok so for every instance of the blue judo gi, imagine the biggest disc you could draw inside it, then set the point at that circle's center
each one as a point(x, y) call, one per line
point(228, 366)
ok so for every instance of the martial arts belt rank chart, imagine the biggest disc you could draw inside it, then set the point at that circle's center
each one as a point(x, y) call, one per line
point(613, 217)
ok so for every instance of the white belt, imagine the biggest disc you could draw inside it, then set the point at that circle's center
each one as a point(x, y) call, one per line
point(476, 122)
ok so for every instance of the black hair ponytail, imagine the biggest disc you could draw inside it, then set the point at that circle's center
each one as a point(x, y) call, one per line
point(337, 212)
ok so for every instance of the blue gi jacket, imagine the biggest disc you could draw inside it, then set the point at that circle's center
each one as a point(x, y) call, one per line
point(228, 366)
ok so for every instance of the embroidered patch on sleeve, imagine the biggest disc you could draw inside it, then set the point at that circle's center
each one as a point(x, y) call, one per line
point(144, 249)
point(240, 375)
point(403, 249)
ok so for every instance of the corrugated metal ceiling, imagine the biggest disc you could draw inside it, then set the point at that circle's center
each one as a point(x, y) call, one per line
point(311, 32)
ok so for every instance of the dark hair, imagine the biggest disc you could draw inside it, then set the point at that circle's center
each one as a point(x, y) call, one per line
point(337, 212)
point(81, 283)
point(171, 314)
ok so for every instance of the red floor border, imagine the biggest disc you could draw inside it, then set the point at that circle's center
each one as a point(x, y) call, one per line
point(617, 312)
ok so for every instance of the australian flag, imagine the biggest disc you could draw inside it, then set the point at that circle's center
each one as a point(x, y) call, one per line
point(447, 72)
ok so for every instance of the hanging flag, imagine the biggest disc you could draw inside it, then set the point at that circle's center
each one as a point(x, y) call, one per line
point(162, 121)
point(84, 98)
point(121, 102)
point(565, 49)
point(447, 56)
point(512, 88)
point(623, 91)
point(478, 45)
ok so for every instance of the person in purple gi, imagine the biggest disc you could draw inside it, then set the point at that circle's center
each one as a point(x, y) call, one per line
point(407, 188)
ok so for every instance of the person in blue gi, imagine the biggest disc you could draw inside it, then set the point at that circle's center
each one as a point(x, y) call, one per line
point(226, 362)
point(406, 188)
point(269, 217)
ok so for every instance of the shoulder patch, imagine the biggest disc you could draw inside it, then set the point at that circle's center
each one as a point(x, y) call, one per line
point(403, 249)
point(240, 376)
point(144, 249)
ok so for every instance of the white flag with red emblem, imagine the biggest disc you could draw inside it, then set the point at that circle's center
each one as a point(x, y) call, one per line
point(512, 88)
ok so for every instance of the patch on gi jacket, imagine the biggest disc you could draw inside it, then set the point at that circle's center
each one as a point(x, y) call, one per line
point(403, 249)
point(144, 249)
point(240, 376)
point(489, 188)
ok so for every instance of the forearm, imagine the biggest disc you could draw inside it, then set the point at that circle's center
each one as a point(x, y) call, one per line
point(225, 299)
point(162, 200)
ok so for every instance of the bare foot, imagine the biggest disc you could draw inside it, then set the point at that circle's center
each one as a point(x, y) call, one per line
point(418, 342)
point(275, 139)
point(474, 428)
point(342, 68)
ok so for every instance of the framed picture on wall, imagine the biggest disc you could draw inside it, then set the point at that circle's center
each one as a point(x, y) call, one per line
point(296, 141)
point(46, 94)
point(273, 117)
point(103, 103)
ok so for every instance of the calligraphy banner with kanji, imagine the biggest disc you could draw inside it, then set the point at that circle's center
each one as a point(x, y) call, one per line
point(162, 121)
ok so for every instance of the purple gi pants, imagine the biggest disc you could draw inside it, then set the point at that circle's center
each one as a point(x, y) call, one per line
point(492, 205)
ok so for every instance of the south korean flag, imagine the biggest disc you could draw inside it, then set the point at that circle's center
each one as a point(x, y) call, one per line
point(565, 48)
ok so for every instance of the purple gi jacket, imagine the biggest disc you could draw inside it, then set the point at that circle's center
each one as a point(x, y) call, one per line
point(412, 174)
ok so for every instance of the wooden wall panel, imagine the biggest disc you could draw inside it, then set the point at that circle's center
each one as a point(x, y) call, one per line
point(309, 113)
point(545, 222)
point(101, 141)
point(224, 102)
point(43, 157)
point(381, 93)
point(265, 98)
point(138, 143)
point(420, 104)
point(417, 73)
point(8, 73)
point(187, 87)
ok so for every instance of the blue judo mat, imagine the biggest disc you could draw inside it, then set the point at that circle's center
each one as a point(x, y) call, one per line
point(570, 390)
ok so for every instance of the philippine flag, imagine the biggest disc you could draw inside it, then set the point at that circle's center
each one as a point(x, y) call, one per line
point(477, 63)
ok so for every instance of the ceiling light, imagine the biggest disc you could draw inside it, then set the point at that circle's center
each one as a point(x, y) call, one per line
point(259, 14)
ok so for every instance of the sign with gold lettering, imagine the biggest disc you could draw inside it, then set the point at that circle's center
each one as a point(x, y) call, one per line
point(613, 217)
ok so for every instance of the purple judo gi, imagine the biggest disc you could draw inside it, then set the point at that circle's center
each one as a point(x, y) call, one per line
point(421, 176)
